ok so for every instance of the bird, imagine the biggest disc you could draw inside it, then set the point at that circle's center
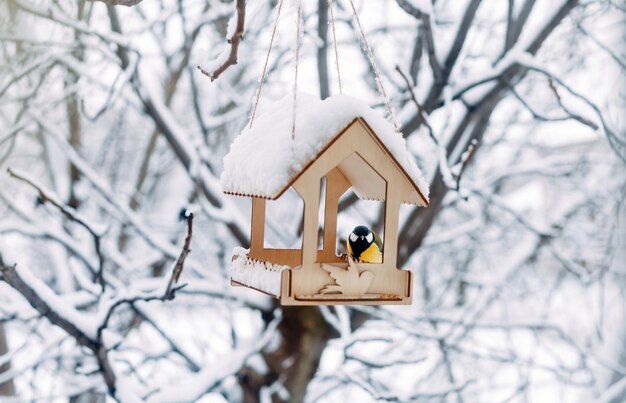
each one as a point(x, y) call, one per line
point(364, 245)
point(348, 281)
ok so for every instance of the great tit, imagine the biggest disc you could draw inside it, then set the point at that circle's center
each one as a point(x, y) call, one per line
point(365, 246)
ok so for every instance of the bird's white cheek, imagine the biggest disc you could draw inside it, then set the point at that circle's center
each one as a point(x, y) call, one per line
point(353, 237)
point(370, 237)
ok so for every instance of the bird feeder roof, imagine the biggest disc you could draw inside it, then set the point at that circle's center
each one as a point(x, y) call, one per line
point(264, 160)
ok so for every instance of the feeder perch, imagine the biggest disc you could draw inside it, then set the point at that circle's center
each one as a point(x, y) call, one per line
point(343, 140)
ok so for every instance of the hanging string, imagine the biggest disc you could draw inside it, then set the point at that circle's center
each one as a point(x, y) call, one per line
point(295, 79)
point(379, 81)
point(267, 58)
point(332, 22)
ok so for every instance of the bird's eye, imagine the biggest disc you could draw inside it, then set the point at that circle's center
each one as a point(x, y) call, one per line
point(370, 237)
point(353, 237)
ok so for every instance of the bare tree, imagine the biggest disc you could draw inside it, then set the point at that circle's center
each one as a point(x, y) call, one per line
point(110, 136)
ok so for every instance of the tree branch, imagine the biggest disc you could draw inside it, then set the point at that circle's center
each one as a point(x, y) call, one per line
point(234, 43)
point(521, 19)
point(127, 3)
point(451, 175)
point(7, 388)
point(426, 32)
point(436, 89)
point(168, 126)
point(46, 303)
point(508, 38)
point(571, 114)
point(416, 58)
point(178, 267)
point(418, 106)
point(11, 276)
point(46, 196)
point(461, 36)
point(322, 49)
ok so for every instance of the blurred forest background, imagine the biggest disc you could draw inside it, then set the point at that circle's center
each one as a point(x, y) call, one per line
point(108, 131)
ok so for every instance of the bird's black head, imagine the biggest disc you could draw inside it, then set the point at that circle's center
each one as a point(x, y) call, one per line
point(360, 239)
point(361, 230)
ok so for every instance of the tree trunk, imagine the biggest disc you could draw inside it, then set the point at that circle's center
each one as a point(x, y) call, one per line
point(7, 388)
point(304, 335)
point(322, 50)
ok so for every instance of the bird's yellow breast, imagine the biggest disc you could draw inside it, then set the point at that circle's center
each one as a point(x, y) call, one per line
point(370, 255)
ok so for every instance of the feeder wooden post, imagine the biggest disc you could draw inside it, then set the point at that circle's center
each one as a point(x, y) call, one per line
point(336, 186)
point(257, 234)
point(310, 192)
point(392, 214)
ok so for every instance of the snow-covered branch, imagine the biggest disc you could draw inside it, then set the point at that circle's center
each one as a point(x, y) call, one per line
point(47, 196)
point(87, 329)
point(517, 263)
point(127, 3)
point(215, 69)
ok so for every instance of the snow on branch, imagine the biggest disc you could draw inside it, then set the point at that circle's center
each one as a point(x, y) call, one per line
point(451, 176)
point(47, 196)
point(423, 11)
point(227, 59)
point(104, 189)
point(188, 154)
point(50, 305)
point(82, 27)
point(365, 385)
point(78, 325)
point(88, 329)
point(616, 142)
point(197, 385)
point(127, 3)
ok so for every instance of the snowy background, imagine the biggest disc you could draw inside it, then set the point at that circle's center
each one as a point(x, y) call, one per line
point(513, 110)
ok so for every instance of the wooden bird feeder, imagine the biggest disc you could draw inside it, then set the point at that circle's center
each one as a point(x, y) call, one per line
point(354, 156)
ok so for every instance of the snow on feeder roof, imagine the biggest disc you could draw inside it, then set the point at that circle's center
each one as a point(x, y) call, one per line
point(264, 160)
